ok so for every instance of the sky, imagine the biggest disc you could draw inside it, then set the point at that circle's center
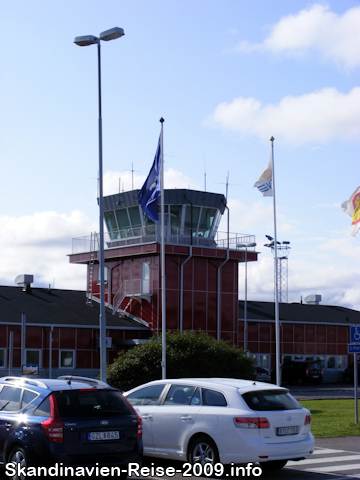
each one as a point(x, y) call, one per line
point(226, 75)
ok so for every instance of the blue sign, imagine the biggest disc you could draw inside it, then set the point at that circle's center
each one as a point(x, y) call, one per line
point(354, 348)
point(355, 334)
point(30, 369)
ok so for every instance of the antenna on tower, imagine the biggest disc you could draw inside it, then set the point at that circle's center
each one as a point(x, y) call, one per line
point(227, 185)
point(204, 174)
point(132, 175)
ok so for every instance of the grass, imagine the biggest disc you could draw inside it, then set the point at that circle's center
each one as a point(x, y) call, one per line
point(333, 418)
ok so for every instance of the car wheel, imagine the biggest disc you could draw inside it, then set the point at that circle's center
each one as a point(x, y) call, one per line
point(18, 457)
point(300, 382)
point(203, 450)
point(273, 465)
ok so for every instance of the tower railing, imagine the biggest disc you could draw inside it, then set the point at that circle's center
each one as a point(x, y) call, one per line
point(126, 237)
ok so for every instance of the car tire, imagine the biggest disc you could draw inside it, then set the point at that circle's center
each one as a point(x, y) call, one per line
point(300, 381)
point(19, 457)
point(273, 465)
point(203, 450)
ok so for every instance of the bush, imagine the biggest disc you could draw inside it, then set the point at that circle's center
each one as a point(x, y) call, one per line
point(188, 355)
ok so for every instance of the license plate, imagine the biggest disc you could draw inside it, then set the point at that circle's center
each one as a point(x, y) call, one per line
point(103, 436)
point(287, 430)
point(315, 376)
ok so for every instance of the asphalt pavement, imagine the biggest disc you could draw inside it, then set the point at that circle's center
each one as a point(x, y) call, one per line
point(323, 391)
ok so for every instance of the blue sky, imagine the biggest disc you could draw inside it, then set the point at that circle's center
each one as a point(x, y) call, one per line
point(226, 76)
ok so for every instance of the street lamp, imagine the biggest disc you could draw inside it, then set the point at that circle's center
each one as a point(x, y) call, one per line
point(85, 41)
point(246, 246)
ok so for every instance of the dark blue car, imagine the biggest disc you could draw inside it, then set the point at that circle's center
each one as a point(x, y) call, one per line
point(70, 421)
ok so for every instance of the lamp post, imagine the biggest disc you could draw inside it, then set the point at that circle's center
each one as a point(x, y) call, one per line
point(246, 246)
point(85, 41)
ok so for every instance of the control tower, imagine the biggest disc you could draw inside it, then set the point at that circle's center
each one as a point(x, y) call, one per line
point(201, 263)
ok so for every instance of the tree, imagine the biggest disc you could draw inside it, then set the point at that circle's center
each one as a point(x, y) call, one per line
point(188, 355)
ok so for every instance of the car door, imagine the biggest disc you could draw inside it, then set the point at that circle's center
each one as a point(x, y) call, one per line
point(145, 402)
point(9, 407)
point(173, 420)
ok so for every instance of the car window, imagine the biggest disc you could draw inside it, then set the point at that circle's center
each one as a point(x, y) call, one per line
point(270, 400)
point(146, 396)
point(313, 365)
point(27, 397)
point(179, 395)
point(92, 402)
point(213, 398)
point(196, 398)
point(43, 410)
point(10, 399)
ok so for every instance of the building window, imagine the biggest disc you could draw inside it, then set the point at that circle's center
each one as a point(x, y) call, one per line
point(67, 359)
point(2, 357)
point(321, 359)
point(145, 280)
point(264, 361)
point(33, 357)
point(99, 275)
point(341, 362)
point(330, 362)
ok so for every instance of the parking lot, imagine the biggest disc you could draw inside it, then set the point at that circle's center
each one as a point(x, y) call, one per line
point(333, 458)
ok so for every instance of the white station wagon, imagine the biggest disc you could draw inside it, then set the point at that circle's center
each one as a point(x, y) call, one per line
point(211, 420)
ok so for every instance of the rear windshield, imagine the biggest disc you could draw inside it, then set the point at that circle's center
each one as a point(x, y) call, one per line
point(90, 403)
point(314, 365)
point(270, 400)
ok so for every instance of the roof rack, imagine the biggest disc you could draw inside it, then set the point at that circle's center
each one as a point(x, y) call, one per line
point(27, 381)
point(90, 381)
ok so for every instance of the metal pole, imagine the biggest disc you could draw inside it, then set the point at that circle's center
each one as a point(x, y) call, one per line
point(163, 286)
point(356, 386)
point(277, 322)
point(23, 339)
point(50, 351)
point(245, 306)
point(102, 318)
point(11, 352)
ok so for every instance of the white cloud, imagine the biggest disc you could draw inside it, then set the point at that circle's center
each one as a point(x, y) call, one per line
point(39, 245)
point(335, 37)
point(172, 179)
point(310, 118)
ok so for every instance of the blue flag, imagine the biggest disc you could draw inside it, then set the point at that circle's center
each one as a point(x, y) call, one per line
point(149, 195)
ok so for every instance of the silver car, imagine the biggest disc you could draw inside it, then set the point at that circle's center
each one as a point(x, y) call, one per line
point(212, 420)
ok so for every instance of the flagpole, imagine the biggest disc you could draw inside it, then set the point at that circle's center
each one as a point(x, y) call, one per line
point(163, 303)
point(277, 322)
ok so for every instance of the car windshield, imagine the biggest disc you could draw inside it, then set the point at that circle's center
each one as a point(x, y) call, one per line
point(313, 365)
point(92, 402)
point(270, 400)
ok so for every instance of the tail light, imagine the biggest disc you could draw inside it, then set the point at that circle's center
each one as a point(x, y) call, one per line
point(307, 372)
point(140, 427)
point(251, 422)
point(307, 419)
point(138, 418)
point(53, 427)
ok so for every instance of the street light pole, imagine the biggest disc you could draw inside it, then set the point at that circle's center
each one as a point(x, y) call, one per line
point(84, 41)
point(245, 245)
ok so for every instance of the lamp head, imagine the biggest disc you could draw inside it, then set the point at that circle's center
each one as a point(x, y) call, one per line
point(86, 40)
point(111, 34)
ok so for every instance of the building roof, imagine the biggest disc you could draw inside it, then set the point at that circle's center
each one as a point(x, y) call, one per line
point(56, 307)
point(299, 313)
point(172, 196)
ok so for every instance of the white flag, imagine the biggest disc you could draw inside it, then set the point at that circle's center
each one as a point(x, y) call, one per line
point(352, 208)
point(265, 182)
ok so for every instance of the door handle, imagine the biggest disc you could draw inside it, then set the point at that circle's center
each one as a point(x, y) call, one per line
point(186, 417)
point(146, 417)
